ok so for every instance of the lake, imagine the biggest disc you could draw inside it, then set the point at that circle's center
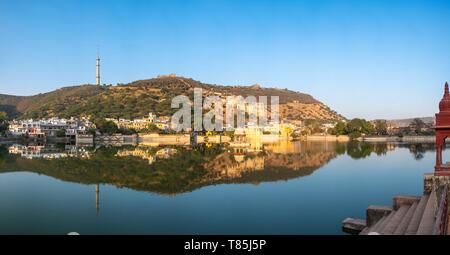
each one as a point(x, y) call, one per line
point(282, 188)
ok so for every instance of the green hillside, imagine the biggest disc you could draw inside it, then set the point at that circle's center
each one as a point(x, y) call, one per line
point(137, 99)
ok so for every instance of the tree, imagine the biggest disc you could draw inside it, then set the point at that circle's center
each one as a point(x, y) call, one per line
point(127, 131)
point(3, 154)
point(3, 122)
point(417, 150)
point(358, 150)
point(91, 131)
point(61, 133)
point(354, 128)
point(380, 127)
point(313, 126)
point(106, 126)
point(152, 128)
point(317, 129)
point(339, 129)
point(417, 125)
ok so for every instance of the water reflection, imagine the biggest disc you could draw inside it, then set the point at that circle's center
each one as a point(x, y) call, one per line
point(48, 151)
point(358, 150)
point(172, 170)
point(418, 150)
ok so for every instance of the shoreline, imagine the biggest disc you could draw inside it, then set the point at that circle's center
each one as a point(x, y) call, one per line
point(184, 138)
point(345, 138)
point(430, 138)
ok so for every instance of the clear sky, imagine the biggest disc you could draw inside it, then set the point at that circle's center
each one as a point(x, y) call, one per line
point(371, 59)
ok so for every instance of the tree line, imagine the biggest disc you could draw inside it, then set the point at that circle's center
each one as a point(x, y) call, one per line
point(358, 127)
point(109, 127)
point(3, 123)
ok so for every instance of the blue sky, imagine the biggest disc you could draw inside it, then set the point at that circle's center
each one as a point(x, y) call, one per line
point(370, 59)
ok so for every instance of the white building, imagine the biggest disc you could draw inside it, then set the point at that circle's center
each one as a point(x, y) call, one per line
point(49, 127)
point(136, 124)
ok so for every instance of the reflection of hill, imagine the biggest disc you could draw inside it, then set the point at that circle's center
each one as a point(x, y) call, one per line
point(284, 167)
point(192, 168)
point(281, 161)
point(179, 174)
point(185, 171)
point(299, 161)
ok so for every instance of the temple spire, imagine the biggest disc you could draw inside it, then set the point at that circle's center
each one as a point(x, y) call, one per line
point(442, 128)
point(444, 105)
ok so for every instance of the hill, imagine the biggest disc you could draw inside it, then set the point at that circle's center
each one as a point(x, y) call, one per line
point(136, 99)
point(406, 122)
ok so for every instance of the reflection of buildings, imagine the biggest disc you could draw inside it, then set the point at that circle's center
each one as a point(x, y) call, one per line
point(239, 139)
point(391, 146)
point(147, 154)
point(192, 167)
point(234, 165)
point(296, 156)
point(48, 152)
point(154, 140)
point(283, 147)
point(137, 152)
point(165, 153)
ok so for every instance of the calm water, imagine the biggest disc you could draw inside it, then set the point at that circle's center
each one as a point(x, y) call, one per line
point(286, 188)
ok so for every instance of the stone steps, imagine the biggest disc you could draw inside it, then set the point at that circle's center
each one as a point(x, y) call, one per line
point(428, 217)
point(375, 227)
point(401, 229)
point(397, 218)
point(365, 231)
point(410, 216)
point(417, 216)
point(383, 225)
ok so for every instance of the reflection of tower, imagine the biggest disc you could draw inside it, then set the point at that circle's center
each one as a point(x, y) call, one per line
point(97, 198)
point(97, 71)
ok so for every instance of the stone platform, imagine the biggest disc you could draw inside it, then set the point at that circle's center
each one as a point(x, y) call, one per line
point(409, 215)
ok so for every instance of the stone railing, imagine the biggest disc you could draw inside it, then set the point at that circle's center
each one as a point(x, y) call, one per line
point(441, 223)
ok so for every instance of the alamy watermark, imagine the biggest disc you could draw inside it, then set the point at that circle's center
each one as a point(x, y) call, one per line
point(215, 113)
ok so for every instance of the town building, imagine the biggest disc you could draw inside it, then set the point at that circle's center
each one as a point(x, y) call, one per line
point(136, 124)
point(49, 127)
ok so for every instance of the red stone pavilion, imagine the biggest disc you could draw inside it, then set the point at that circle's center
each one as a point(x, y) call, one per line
point(442, 132)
